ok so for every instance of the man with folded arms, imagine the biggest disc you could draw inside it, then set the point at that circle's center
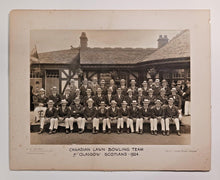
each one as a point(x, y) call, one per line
point(76, 115)
point(63, 115)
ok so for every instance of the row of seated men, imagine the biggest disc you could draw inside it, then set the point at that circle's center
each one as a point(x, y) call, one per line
point(101, 93)
point(129, 114)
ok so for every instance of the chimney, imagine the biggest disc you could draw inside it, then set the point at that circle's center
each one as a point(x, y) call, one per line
point(162, 40)
point(83, 41)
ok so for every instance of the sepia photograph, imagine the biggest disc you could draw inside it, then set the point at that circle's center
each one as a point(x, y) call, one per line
point(122, 90)
point(130, 87)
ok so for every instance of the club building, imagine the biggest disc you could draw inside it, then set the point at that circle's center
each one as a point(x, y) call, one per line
point(170, 61)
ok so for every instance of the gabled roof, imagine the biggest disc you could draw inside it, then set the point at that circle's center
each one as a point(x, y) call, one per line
point(114, 55)
point(178, 47)
point(58, 57)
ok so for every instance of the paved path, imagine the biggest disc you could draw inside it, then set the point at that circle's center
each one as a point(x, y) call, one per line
point(89, 138)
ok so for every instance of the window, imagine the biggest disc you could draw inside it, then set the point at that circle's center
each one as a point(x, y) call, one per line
point(52, 73)
point(178, 74)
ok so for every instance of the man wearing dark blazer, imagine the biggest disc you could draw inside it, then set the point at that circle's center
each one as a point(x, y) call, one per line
point(171, 114)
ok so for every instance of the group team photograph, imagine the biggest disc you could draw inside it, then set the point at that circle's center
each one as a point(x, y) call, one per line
point(110, 90)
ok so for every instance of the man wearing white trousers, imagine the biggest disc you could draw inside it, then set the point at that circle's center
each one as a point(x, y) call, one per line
point(186, 96)
point(145, 114)
point(51, 116)
point(171, 114)
point(113, 113)
point(90, 116)
point(124, 117)
point(102, 116)
point(39, 113)
point(63, 116)
point(76, 115)
point(135, 116)
point(158, 116)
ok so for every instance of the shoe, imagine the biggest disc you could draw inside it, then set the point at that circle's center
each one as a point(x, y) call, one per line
point(163, 133)
point(168, 133)
point(155, 132)
point(121, 131)
point(137, 132)
point(67, 131)
point(81, 131)
point(128, 131)
point(50, 132)
point(109, 131)
point(71, 131)
point(93, 131)
point(178, 133)
point(104, 131)
point(141, 131)
point(54, 131)
point(152, 132)
point(41, 131)
point(96, 131)
point(118, 131)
